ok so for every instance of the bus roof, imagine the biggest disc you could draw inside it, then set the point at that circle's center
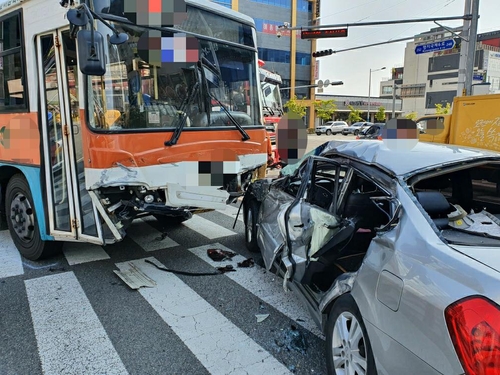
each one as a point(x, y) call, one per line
point(203, 4)
point(218, 9)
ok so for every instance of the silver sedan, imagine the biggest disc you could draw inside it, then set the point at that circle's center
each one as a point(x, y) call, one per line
point(395, 253)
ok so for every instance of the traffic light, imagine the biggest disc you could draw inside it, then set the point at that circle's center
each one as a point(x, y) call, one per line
point(326, 52)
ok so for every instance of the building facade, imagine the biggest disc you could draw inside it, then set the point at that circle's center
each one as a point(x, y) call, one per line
point(274, 51)
point(432, 78)
point(362, 103)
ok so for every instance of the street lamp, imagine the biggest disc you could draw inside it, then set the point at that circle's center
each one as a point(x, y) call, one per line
point(370, 90)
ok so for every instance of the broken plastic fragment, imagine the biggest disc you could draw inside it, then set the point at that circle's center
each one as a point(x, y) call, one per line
point(261, 317)
point(218, 255)
point(247, 263)
point(225, 269)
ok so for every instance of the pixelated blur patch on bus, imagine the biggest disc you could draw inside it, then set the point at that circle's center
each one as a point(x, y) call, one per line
point(215, 173)
point(291, 138)
point(400, 134)
point(155, 13)
point(171, 52)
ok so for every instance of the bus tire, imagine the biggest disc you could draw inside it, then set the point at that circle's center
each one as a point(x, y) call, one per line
point(22, 221)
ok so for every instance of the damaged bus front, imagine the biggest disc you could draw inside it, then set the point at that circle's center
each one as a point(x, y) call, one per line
point(135, 118)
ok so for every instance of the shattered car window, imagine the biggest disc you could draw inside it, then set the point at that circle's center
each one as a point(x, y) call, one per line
point(464, 204)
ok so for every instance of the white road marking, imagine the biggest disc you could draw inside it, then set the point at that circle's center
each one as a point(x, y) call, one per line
point(11, 263)
point(70, 337)
point(265, 285)
point(231, 211)
point(217, 343)
point(148, 237)
point(207, 228)
point(77, 253)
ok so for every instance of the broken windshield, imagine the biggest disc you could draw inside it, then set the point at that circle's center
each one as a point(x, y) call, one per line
point(136, 95)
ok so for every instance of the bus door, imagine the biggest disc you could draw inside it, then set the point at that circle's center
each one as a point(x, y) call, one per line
point(71, 212)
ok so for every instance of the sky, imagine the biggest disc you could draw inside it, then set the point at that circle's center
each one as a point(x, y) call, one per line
point(353, 67)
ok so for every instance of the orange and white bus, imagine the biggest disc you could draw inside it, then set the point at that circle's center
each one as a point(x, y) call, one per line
point(82, 155)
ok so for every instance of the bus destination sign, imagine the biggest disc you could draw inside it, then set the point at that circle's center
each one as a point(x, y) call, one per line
point(326, 33)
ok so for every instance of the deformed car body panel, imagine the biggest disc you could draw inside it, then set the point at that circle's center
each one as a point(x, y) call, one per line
point(410, 273)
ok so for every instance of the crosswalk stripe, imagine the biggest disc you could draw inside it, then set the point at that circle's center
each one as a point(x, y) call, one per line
point(210, 336)
point(69, 335)
point(207, 228)
point(265, 285)
point(77, 253)
point(10, 259)
point(148, 237)
point(232, 211)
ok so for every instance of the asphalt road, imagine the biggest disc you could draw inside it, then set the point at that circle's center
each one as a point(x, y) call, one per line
point(73, 315)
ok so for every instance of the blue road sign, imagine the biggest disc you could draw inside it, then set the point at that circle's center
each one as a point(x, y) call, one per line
point(436, 46)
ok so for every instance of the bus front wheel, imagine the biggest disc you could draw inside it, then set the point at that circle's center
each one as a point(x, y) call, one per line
point(22, 222)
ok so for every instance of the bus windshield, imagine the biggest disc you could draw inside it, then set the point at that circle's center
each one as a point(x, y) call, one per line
point(134, 95)
point(272, 97)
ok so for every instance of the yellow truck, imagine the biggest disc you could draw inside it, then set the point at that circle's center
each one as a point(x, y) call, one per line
point(474, 122)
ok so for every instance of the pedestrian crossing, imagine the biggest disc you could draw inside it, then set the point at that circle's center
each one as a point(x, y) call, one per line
point(74, 324)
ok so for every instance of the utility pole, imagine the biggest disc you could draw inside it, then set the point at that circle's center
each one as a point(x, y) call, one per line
point(471, 55)
point(468, 48)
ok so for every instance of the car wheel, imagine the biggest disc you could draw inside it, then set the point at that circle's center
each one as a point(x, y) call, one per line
point(348, 347)
point(252, 213)
point(318, 133)
point(328, 132)
point(23, 224)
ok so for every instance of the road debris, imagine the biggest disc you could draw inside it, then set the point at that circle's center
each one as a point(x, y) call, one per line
point(294, 340)
point(247, 263)
point(261, 317)
point(225, 269)
point(218, 255)
point(135, 278)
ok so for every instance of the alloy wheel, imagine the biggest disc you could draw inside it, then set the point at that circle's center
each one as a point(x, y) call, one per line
point(348, 346)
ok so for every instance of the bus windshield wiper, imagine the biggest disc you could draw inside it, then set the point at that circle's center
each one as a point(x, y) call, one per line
point(204, 63)
point(182, 118)
point(246, 137)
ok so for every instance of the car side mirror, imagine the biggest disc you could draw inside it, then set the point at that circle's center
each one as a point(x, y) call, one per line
point(91, 56)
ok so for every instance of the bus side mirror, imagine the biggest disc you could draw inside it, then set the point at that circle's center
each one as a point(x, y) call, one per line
point(91, 56)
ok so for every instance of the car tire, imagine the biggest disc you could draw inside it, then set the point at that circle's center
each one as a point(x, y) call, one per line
point(344, 134)
point(23, 224)
point(353, 350)
point(318, 133)
point(328, 132)
point(251, 215)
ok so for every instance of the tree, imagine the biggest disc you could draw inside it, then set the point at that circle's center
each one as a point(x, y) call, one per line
point(411, 116)
point(325, 109)
point(443, 111)
point(296, 106)
point(380, 115)
point(354, 115)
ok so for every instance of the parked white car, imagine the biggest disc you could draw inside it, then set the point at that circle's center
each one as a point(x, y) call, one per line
point(331, 127)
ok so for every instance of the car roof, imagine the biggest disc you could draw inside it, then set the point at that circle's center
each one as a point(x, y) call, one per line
point(406, 162)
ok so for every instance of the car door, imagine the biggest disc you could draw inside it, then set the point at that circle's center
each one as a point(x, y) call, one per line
point(270, 231)
point(311, 220)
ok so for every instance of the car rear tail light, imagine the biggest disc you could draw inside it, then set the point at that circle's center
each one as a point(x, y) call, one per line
point(474, 326)
point(379, 137)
